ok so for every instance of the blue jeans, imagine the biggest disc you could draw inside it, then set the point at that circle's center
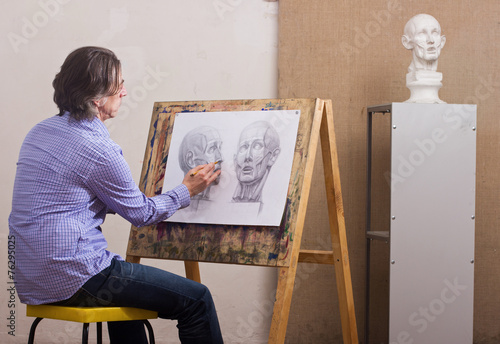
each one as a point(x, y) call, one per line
point(172, 296)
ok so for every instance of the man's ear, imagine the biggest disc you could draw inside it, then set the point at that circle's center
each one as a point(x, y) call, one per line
point(100, 102)
point(407, 42)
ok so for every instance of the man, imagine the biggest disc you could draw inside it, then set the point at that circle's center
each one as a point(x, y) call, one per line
point(201, 146)
point(258, 149)
point(69, 175)
point(422, 35)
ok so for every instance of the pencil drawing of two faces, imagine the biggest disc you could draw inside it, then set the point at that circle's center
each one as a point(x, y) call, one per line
point(257, 149)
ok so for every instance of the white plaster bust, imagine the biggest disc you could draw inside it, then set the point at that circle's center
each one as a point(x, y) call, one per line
point(422, 35)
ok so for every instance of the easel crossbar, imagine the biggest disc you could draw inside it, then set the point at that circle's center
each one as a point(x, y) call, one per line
point(316, 257)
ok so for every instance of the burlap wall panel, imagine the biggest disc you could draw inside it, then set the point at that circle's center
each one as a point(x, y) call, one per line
point(351, 52)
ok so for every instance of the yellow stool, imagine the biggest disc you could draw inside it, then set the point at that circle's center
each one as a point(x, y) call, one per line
point(88, 315)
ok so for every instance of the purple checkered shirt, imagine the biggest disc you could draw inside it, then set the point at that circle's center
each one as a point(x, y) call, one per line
point(69, 175)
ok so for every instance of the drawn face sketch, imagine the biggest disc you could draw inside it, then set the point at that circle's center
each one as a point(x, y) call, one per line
point(422, 35)
point(258, 149)
point(201, 146)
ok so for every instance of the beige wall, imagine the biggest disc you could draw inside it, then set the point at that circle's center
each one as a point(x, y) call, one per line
point(351, 52)
point(170, 50)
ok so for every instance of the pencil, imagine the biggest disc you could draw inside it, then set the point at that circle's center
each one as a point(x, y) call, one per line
point(194, 173)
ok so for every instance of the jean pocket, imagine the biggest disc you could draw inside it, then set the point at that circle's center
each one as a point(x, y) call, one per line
point(83, 298)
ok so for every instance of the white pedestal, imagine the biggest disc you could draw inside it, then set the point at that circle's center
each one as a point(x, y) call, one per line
point(424, 87)
point(431, 179)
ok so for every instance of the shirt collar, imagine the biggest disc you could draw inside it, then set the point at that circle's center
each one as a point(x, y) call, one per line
point(95, 125)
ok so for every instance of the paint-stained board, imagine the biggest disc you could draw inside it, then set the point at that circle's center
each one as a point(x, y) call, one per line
point(255, 245)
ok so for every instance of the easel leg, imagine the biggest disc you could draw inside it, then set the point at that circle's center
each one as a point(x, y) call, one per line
point(337, 227)
point(282, 305)
point(133, 259)
point(286, 278)
point(192, 270)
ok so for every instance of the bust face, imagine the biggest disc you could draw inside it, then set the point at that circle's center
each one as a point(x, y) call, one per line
point(426, 37)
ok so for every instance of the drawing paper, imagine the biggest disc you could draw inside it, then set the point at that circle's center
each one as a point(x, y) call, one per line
point(256, 150)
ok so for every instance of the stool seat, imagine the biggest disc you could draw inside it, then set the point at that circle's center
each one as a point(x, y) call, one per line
point(88, 315)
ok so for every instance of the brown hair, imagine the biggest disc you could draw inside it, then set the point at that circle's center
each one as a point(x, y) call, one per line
point(87, 74)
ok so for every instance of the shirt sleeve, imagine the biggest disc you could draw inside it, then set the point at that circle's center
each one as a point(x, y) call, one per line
point(111, 181)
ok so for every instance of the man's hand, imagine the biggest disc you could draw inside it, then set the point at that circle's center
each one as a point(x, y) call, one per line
point(200, 177)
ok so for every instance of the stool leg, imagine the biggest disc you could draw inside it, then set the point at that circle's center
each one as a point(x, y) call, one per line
point(85, 333)
point(31, 338)
point(150, 331)
point(99, 333)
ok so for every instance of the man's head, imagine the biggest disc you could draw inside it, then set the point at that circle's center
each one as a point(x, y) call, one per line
point(258, 149)
point(88, 76)
point(422, 35)
point(200, 146)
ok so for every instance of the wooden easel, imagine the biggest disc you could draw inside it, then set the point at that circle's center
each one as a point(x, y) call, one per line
point(275, 246)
